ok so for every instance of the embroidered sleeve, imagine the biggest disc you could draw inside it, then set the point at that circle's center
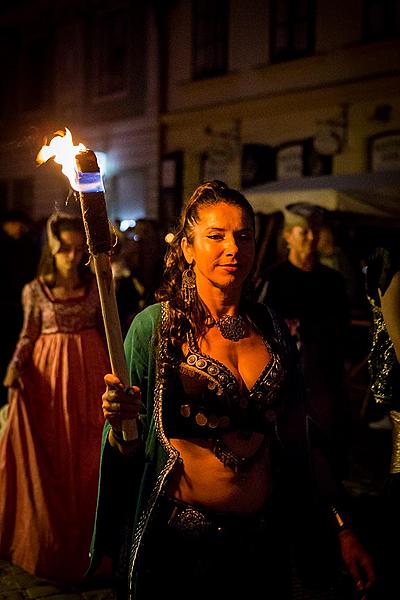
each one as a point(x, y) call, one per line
point(30, 329)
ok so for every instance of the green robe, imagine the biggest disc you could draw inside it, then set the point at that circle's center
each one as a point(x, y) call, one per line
point(129, 486)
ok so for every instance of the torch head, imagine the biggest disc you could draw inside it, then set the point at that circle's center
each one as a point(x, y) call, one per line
point(93, 203)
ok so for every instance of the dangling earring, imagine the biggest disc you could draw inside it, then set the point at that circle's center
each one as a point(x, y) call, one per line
point(188, 286)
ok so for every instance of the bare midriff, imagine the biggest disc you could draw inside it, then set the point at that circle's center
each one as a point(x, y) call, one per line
point(201, 478)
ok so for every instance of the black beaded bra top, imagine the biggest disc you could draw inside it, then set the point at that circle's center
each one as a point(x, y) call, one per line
point(206, 399)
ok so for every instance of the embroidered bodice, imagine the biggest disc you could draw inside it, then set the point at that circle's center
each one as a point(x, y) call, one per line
point(207, 399)
point(43, 314)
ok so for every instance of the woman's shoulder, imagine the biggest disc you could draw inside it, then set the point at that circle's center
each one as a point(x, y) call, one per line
point(33, 295)
point(33, 287)
point(145, 322)
point(150, 314)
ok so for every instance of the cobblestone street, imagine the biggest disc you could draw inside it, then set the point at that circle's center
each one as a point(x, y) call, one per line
point(17, 584)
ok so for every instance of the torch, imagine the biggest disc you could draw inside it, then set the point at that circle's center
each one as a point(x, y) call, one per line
point(80, 166)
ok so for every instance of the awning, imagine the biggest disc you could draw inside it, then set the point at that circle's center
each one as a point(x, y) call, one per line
point(366, 193)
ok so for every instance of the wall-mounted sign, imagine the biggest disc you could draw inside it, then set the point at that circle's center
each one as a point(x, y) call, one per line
point(289, 160)
point(214, 165)
point(300, 159)
point(384, 152)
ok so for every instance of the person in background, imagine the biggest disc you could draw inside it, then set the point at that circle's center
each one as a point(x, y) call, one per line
point(49, 449)
point(19, 257)
point(336, 256)
point(312, 298)
point(139, 273)
point(201, 503)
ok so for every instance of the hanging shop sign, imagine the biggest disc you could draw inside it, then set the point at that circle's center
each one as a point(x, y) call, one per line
point(384, 152)
point(289, 160)
point(300, 159)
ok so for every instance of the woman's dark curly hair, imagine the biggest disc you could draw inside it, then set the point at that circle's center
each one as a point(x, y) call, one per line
point(205, 195)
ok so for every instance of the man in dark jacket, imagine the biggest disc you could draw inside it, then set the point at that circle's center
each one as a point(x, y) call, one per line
point(312, 299)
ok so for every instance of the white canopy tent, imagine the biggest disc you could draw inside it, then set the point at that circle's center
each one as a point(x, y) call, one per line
point(368, 193)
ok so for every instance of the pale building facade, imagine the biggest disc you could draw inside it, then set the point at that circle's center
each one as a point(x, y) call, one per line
point(275, 97)
point(291, 97)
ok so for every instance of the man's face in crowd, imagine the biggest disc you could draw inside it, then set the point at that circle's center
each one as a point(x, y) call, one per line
point(14, 229)
point(303, 239)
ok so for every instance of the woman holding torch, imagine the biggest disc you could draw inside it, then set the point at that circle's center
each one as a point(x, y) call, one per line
point(49, 450)
point(201, 503)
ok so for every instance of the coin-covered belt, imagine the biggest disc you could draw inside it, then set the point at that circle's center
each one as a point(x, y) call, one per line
point(195, 521)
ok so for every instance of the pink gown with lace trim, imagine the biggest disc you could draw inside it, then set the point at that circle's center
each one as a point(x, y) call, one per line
point(50, 447)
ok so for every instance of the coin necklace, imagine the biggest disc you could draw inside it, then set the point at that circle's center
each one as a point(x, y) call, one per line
point(231, 328)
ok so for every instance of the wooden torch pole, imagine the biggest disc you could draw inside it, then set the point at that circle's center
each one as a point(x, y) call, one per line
point(95, 218)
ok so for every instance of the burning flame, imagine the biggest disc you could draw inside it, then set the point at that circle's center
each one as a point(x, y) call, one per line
point(62, 149)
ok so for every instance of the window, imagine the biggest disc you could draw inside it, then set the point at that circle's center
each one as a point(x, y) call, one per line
point(258, 164)
point(37, 74)
point(116, 69)
point(128, 194)
point(16, 193)
point(210, 38)
point(292, 29)
point(113, 53)
point(7, 72)
point(3, 195)
point(381, 19)
point(22, 193)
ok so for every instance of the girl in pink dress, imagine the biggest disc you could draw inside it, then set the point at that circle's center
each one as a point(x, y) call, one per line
point(49, 449)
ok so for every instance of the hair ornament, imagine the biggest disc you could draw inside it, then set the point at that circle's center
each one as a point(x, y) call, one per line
point(169, 238)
